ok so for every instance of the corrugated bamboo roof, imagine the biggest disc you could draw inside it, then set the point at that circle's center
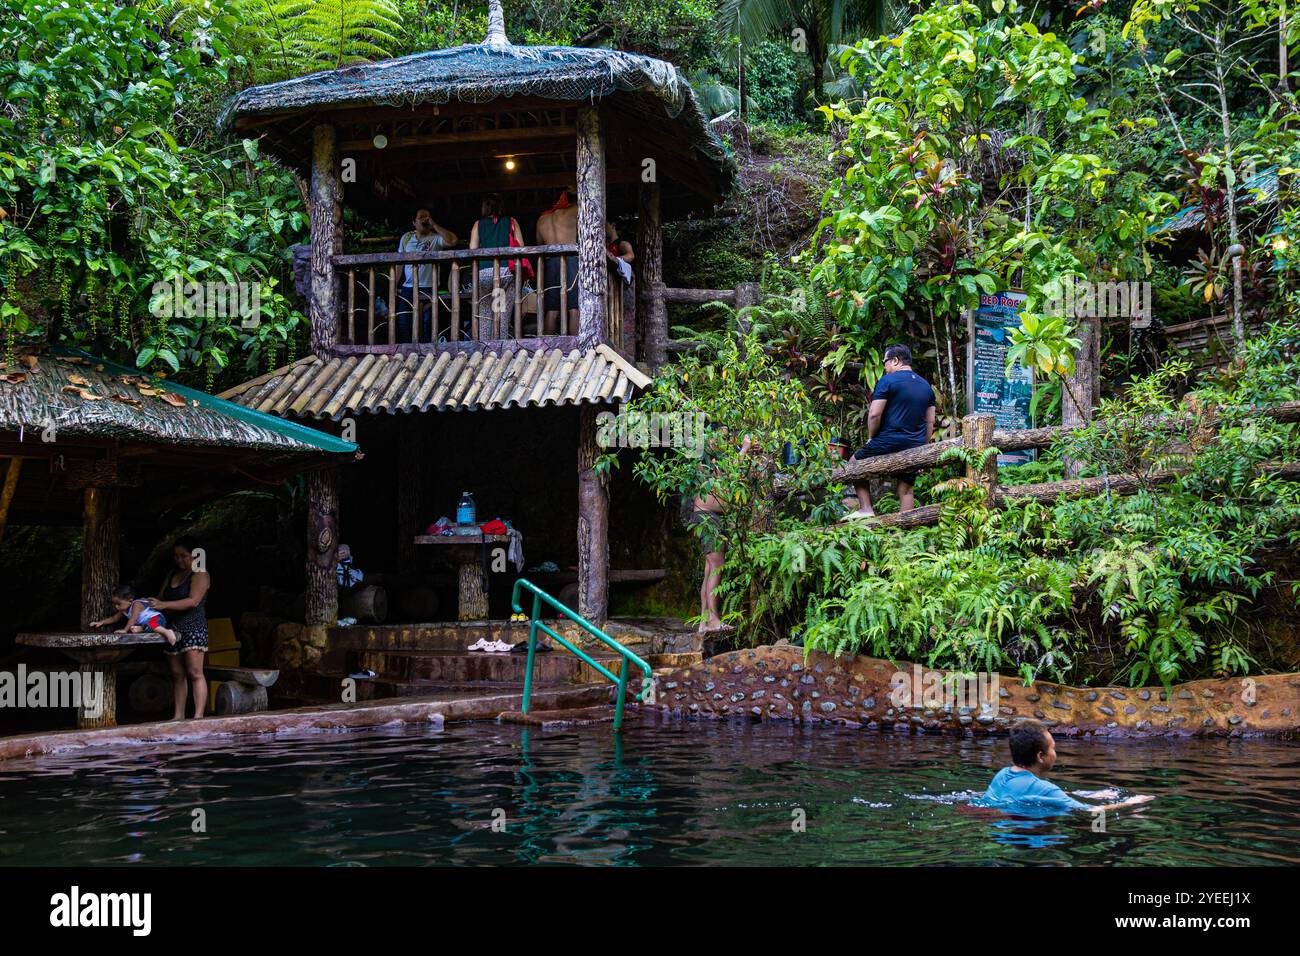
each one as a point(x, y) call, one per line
point(441, 381)
point(89, 397)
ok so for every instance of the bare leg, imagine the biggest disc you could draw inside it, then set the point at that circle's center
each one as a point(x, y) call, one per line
point(552, 321)
point(709, 603)
point(168, 634)
point(194, 670)
point(573, 321)
point(905, 500)
point(180, 689)
point(864, 497)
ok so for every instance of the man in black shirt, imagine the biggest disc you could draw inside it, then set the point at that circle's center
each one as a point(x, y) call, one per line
point(901, 417)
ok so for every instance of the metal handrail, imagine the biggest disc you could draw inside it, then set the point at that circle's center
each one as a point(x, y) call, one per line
point(536, 623)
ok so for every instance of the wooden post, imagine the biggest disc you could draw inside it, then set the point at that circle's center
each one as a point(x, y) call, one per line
point(410, 484)
point(472, 590)
point(977, 437)
point(652, 313)
point(593, 524)
point(7, 492)
point(326, 215)
point(322, 547)
point(1080, 397)
point(593, 278)
point(101, 531)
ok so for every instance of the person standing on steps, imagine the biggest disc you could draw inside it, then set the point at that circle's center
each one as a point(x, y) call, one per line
point(901, 417)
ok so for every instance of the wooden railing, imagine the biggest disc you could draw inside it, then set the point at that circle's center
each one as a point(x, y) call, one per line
point(472, 295)
point(978, 434)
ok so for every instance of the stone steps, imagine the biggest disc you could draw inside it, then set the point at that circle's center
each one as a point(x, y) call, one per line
point(471, 667)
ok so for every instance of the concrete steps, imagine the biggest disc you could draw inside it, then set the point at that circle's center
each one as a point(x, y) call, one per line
point(471, 667)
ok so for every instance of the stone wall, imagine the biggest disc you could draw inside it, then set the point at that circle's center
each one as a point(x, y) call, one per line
point(782, 683)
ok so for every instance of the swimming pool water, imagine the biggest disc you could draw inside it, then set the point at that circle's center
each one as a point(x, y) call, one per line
point(670, 792)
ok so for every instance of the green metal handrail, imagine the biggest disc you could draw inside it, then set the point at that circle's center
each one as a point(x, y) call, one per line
point(537, 623)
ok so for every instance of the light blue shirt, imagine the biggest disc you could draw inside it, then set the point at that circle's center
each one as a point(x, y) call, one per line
point(410, 242)
point(1016, 790)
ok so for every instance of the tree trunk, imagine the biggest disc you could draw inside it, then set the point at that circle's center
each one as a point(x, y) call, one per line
point(593, 525)
point(100, 555)
point(326, 214)
point(1234, 232)
point(1080, 391)
point(652, 313)
point(593, 275)
point(322, 547)
point(12, 471)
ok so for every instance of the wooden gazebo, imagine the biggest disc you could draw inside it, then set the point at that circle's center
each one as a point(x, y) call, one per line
point(76, 431)
point(442, 128)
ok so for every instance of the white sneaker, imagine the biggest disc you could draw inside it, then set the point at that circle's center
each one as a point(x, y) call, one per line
point(482, 644)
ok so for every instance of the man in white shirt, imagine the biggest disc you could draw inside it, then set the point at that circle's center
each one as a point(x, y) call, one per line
point(427, 236)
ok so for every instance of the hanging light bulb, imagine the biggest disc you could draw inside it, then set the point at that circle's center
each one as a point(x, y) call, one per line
point(510, 164)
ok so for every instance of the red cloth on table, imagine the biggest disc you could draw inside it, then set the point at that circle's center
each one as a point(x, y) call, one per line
point(495, 526)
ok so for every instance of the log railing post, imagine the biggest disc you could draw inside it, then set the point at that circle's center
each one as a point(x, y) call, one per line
point(593, 277)
point(977, 438)
point(326, 216)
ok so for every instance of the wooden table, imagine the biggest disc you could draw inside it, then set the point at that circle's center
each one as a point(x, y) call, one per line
point(94, 652)
point(466, 552)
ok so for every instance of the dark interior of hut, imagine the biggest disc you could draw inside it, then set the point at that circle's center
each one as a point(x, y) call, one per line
point(520, 466)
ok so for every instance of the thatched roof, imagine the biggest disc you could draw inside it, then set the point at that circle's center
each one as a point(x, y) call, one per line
point(90, 398)
point(1258, 189)
point(652, 91)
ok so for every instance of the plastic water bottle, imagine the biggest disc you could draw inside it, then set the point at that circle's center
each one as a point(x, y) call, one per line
point(465, 510)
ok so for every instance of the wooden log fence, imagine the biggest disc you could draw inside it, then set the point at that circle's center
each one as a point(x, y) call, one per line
point(978, 435)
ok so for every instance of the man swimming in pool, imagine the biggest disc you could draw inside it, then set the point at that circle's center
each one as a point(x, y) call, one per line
point(1024, 786)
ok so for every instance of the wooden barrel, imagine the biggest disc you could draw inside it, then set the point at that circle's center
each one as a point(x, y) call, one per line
point(150, 694)
point(236, 698)
point(368, 604)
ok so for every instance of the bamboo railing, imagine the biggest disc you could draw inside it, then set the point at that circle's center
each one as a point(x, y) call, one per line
point(456, 305)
